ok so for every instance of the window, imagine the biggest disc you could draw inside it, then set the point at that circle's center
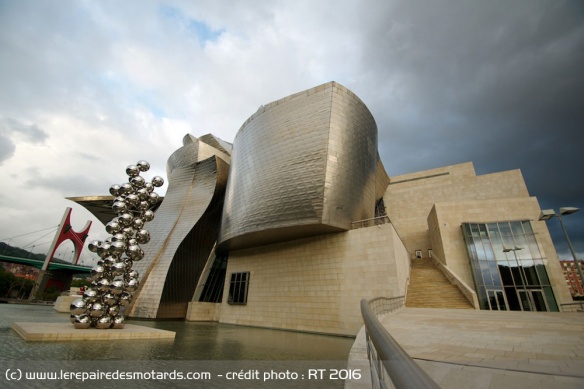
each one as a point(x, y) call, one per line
point(238, 288)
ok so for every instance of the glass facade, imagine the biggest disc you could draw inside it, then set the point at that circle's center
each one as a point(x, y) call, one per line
point(507, 267)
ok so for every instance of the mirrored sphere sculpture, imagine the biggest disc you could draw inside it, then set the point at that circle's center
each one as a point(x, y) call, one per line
point(113, 280)
point(82, 322)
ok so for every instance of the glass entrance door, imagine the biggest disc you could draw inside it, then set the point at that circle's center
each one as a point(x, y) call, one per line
point(497, 300)
point(532, 300)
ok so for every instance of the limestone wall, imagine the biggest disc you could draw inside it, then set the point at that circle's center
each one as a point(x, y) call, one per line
point(447, 239)
point(409, 198)
point(316, 284)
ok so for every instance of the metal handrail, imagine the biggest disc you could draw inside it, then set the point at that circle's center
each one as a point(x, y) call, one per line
point(386, 357)
point(576, 306)
point(374, 221)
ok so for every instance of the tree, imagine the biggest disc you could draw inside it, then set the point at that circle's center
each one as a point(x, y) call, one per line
point(6, 282)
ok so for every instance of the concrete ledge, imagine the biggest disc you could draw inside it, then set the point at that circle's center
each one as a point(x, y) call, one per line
point(63, 303)
point(201, 311)
point(59, 332)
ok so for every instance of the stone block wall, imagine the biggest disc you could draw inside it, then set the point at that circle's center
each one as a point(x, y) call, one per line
point(316, 284)
point(409, 198)
point(447, 239)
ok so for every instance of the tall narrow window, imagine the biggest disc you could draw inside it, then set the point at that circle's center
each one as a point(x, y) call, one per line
point(238, 288)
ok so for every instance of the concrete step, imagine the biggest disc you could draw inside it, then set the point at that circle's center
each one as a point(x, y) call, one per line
point(429, 288)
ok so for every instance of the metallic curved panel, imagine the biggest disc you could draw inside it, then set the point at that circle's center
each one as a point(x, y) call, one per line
point(183, 232)
point(301, 166)
point(217, 143)
point(381, 180)
point(196, 150)
point(101, 206)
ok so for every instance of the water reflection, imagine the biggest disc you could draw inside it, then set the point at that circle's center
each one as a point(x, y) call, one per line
point(193, 341)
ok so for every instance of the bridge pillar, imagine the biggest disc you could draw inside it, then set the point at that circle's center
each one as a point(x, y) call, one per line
point(65, 232)
point(48, 279)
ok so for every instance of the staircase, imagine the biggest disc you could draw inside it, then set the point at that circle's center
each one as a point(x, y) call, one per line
point(429, 288)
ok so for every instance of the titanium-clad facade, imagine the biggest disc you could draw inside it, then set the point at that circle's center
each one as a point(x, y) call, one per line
point(184, 230)
point(301, 166)
point(267, 231)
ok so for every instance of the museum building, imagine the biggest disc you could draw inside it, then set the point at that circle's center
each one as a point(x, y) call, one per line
point(295, 222)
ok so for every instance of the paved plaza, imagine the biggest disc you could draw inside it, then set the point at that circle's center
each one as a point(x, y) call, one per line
point(486, 349)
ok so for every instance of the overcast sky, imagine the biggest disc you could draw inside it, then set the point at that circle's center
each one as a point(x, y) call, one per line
point(89, 87)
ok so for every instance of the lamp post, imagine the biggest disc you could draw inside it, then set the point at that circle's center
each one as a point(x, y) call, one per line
point(523, 278)
point(547, 214)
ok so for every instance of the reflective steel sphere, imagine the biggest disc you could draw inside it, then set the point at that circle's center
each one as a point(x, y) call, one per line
point(103, 284)
point(118, 322)
point(120, 207)
point(157, 181)
point(134, 252)
point(104, 322)
point(97, 272)
point(113, 310)
point(78, 307)
point(117, 287)
point(138, 223)
point(132, 285)
point(118, 268)
point(132, 171)
point(118, 248)
point(125, 299)
point(126, 188)
point(97, 309)
point(153, 198)
point(128, 231)
point(148, 215)
point(104, 249)
point(115, 190)
point(137, 182)
point(90, 295)
point(143, 194)
point(128, 263)
point(109, 299)
point(113, 227)
point(93, 245)
point(131, 274)
point(132, 199)
point(82, 322)
point(143, 166)
point(126, 219)
point(109, 261)
point(119, 237)
point(143, 236)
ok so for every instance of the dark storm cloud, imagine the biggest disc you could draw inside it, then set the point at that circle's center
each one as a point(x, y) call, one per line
point(496, 83)
point(10, 129)
point(7, 148)
point(65, 185)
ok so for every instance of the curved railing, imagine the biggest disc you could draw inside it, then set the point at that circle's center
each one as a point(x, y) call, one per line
point(391, 366)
